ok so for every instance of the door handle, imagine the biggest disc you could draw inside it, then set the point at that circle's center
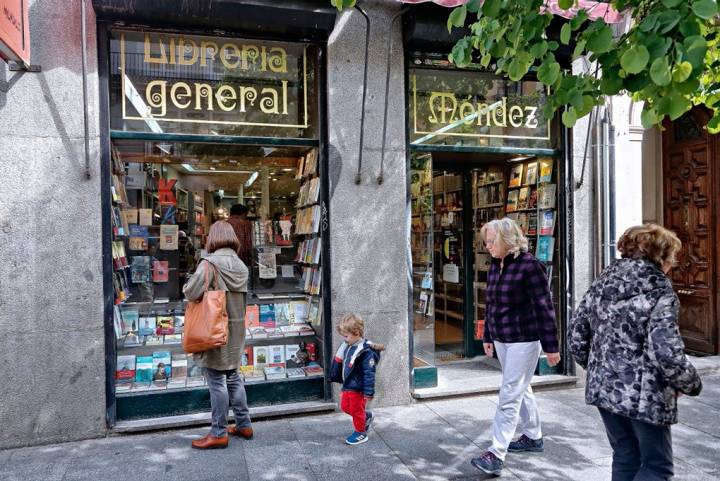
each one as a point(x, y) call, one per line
point(687, 292)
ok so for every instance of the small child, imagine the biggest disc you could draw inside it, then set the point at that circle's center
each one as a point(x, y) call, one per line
point(354, 367)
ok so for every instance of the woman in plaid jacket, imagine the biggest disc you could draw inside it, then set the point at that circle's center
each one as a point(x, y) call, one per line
point(519, 323)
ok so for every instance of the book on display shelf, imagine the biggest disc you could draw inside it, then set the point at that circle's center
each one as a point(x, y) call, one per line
point(144, 369)
point(260, 355)
point(516, 175)
point(531, 173)
point(125, 369)
point(154, 340)
point(274, 372)
point(162, 365)
point(291, 355)
point(247, 357)
point(544, 249)
point(138, 240)
point(267, 315)
point(258, 332)
point(547, 222)
point(165, 324)
point(546, 168)
point(147, 325)
point(523, 198)
point(276, 355)
point(130, 320)
point(546, 196)
point(179, 322)
point(160, 271)
point(295, 372)
point(254, 375)
point(252, 315)
point(172, 339)
point(512, 201)
point(274, 332)
point(124, 387)
point(313, 369)
point(282, 314)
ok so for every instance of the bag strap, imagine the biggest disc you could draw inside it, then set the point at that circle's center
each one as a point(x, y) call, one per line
point(207, 278)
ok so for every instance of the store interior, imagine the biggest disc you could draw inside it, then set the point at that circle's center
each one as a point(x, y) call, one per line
point(165, 197)
point(453, 196)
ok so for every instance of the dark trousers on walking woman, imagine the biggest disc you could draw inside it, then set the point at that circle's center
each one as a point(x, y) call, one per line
point(641, 451)
point(226, 391)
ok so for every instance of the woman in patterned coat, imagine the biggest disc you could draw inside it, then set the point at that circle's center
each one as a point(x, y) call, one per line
point(625, 334)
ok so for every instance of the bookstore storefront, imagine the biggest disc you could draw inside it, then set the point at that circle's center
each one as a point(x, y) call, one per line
point(199, 124)
point(480, 149)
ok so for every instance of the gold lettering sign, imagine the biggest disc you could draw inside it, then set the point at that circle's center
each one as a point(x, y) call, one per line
point(192, 79)
point(467, 104)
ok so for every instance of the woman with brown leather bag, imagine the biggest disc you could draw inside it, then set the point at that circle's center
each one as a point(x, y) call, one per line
point(223, 269)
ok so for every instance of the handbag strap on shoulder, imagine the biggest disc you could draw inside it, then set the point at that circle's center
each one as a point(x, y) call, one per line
point(207, 275)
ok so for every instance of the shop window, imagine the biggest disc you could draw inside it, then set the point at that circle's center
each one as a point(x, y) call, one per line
point(165, 196)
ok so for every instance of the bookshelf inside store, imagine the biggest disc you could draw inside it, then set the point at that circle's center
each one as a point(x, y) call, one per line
point(164, 201)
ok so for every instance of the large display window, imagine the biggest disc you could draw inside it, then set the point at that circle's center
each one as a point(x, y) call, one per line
point(171, 96)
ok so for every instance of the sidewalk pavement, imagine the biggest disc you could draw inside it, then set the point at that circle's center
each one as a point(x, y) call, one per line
point(428, 441)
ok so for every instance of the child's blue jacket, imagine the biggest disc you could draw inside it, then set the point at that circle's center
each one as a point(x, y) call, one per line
point(354, 367)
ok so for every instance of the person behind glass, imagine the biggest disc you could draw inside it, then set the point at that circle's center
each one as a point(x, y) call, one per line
point(519, 323)
point(243, 230)
point(625, 334)
point(220, 365)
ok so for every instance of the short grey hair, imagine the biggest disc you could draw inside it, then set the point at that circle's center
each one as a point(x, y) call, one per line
point(509, 232)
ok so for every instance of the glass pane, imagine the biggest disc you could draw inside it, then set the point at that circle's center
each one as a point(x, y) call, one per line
point(165, 197)
point(465, 108)
point(176, 83)
point(421, 238)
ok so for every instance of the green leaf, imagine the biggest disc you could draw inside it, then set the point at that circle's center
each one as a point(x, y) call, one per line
point(579, 48)
point(667, 20)
point(601, 40)
point(549, 71)
point(660, 72)
point(566, 4)
point(649, 117)
point(569, 117)
point(588, 103)
point(517, 69)
point(694, 49)
point(714, 125)
point(577, 21)
point(341, 4)
point(688, 87)
point(690, 27)
point(553, 45)
point(671, 3)
point(611, 85)
point(457, 17)
point(649, 22)
point(539, 49)
point(473, 6)
point(681, 72)
point(635, 59)
point(705, 9)
point(491, 8)
point(565, 33)
point(485, 60)
point(674, 105)
point(575, 99)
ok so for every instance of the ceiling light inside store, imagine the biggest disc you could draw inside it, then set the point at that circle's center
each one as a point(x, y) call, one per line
point(287, 170)
point(520, 158)
point(252, 178)
point(212, 168)
point(274, 179)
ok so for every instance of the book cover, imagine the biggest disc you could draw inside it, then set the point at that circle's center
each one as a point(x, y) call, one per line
point(138, 240)
point(532, 223)
point(254, 375)
point(179, 366)
point(544, 249)
point(252, 315)
point(145, 216)
point(546, 196)
point(295, 372)
point(130, 216)
point(547, 222)
point(144, 369)
point(165, 325)
point(193, 370)
point(291, 358)
point(130, 321)
point(247, 357)
point(260, 355)
point(125, 369)
point(531, 173)
point(299, 311)
point(172, 339)
point(267, 264)
point(147, 325)
point(160, 271)
point(123, 386)
point(516, 175)
point(313, 369)
point(267, 315)
point(274, 372)
point(523, 198)
point(154, 340)
point(316, 282)
point(546, 168)
point(179, 323)
point(140, 269)
point(276, 355)
point(258, 332)
point(169, 237)
point(161, 365)
point(512, 201)
point(282, 314)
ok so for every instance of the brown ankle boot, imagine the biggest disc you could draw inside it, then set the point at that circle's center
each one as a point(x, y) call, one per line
point(210, 442)
point(246, 433)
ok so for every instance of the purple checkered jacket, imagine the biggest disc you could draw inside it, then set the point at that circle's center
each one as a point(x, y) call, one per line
point(518, 303)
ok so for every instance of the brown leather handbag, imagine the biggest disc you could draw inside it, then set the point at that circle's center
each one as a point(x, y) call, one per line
point(206, 320)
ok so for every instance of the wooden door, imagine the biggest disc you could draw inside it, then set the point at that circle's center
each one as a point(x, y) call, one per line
point(690, 194)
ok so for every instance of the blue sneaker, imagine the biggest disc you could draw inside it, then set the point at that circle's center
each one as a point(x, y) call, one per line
point(527, 444)
point(368, 420)
point(356, 438)
point(488, 463)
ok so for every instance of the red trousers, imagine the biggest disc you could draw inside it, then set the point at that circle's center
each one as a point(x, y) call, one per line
point(353, 403)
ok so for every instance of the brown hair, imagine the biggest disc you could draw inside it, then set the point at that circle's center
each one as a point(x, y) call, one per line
point(351, 324)
point(221, 235)
point(651, 242)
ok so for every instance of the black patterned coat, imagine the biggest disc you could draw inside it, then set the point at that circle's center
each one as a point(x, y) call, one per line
point(625, 334)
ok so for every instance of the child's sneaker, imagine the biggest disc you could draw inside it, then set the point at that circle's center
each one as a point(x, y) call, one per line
point(368, 420)
point(356, 438)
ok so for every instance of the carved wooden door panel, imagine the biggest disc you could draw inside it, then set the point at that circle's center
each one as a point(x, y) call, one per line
point(690, 198)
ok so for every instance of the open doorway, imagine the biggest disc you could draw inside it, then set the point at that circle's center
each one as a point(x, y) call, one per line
point(453, 196)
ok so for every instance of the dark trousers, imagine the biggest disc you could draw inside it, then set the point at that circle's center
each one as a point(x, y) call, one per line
point(641, 451)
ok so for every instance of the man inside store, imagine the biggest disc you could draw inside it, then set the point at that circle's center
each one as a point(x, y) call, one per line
point(243, 230)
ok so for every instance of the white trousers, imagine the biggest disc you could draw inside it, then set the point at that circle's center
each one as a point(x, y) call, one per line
point(518, 361)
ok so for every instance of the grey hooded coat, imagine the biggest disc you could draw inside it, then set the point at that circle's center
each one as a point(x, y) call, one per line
point(625, 334)
point(233, 279)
